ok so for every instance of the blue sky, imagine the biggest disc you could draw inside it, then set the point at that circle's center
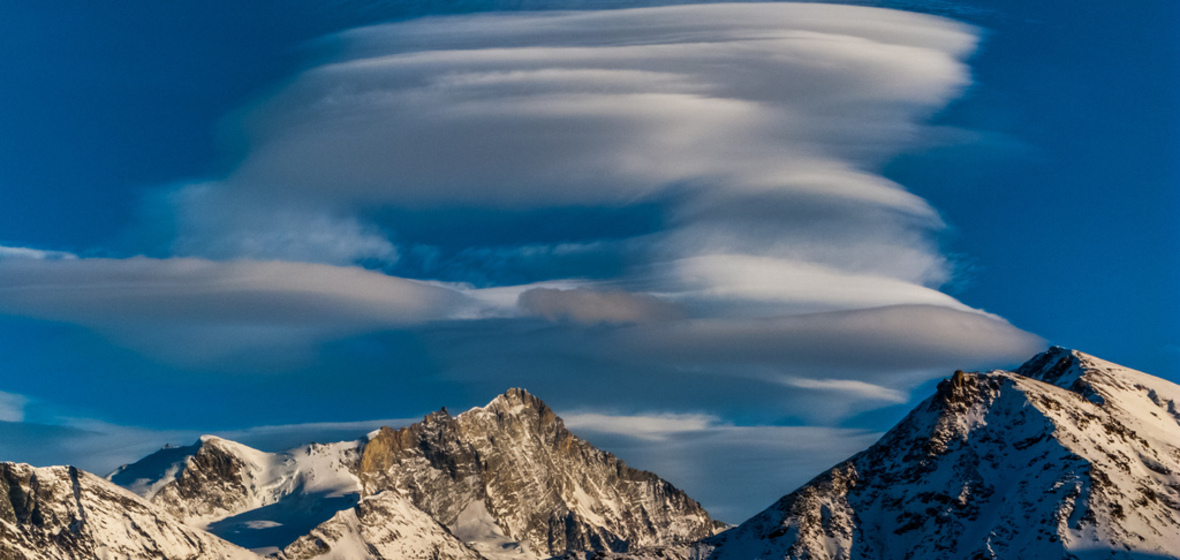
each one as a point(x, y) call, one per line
point(729, 243)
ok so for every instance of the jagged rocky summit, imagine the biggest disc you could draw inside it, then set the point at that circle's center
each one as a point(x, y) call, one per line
point(512, 470)
point(502, 481)
point(1069, 457)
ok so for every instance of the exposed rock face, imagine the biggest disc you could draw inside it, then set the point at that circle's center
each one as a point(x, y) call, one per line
point(1072, 456)
point(64, 513)
point(513, 464)
point(214, 483)
point(381, 527)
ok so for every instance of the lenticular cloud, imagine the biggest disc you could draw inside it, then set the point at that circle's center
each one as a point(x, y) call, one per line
point(756, 128)
point(756, 132)
point(609, 107)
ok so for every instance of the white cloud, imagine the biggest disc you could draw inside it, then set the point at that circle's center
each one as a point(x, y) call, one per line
point(12, 407)
point(756, 286)
point(652, 427)
point(606, 107)
point(194, 309)
point(34, 254)
point(755, 131)
point(700, 107)
point(874, 342)
point(850, 387)
point(218, 224)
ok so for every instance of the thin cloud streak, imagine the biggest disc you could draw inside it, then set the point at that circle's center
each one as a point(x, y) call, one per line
point(656, 427)
point(34, 254)
point(198, 310)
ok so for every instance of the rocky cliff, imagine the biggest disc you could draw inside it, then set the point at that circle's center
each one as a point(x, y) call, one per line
point(58, 513)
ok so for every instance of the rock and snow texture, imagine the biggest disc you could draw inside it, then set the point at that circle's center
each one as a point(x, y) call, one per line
point(262, 501)
point(1072, 457)
point(59, 513)
point(1069, 457)
point(385, 526)
point(507, 480)
point(511, 480)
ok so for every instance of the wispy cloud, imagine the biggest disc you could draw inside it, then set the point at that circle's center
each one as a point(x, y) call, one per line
point(195, 309)
point(648, 427)
point(34, 254)
point(12, 407)
point(849, 387)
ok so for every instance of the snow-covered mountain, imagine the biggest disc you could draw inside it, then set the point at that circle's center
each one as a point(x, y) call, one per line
point(507, 479)
point(262, 501)
point(1069, 457)
point(59, 513)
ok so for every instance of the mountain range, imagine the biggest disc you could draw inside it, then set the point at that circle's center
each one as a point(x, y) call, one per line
point(1068, 456)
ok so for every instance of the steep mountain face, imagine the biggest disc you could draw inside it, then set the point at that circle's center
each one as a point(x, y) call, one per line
point(510, 474)
point(263, 501)
point(56, 513)
point(1072, 457)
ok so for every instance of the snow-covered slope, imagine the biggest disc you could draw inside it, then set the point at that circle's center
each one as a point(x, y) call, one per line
point(509, 478)
point(262, 501)
point(381, 527)
point(54, 513)
point(1073, 457)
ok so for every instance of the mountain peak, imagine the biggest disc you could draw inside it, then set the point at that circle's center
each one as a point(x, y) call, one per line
point(509, 475)
point(1057, 366)
point(1070, 455)
point(516, 399)
point(1097, 380)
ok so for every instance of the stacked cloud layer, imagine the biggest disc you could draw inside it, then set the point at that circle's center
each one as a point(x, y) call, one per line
point(777, 275)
